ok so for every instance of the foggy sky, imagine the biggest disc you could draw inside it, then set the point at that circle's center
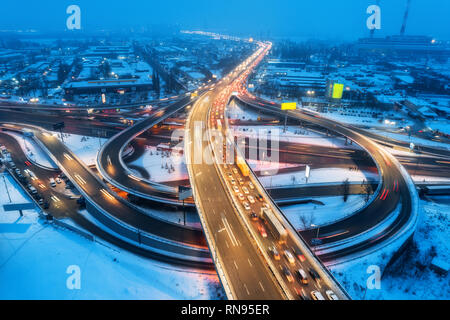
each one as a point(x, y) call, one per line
point(324, 19)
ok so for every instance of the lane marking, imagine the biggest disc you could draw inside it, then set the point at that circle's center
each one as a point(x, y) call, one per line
point(230, 232)
point(246, 289)
point(262, 287)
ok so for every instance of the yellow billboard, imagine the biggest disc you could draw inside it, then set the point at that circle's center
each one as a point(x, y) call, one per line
point(289, 106)
point(338, 88)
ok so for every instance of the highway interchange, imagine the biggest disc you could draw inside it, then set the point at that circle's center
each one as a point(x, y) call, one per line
point(246, 266)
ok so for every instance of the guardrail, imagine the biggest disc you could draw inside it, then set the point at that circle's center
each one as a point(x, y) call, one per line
point(173, 191)
point(129, 233)
point(210, 239)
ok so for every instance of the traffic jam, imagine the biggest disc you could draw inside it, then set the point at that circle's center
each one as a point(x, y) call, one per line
point(302, 279)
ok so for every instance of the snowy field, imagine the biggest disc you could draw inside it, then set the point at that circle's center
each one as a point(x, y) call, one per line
point(302, 216)
point(441, 125)
point(415, 140)
point(235, 111)
point(86, 148)
point(33, 151)
point(35, 258)
point(293, 134)
point(322, 175)
point(410, 277)
point(161, 166)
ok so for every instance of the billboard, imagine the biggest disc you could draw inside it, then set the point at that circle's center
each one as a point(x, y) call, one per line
point(289, 106)
point(338, 88)
point(18, 206)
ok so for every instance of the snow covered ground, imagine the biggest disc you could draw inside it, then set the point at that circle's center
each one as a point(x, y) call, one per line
point(235, 111)
point(155, 163)
point(35, 258)
point(441, 125)
point(410, 277)
point(302, 216)
point(417, 178)
point(293, 134)
point(33, 151)
point(415, 140)
point(363, 117)
point(321, 175)
point(11, 193)
point(86, 148)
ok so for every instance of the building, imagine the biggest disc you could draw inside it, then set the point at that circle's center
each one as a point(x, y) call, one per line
point(120, 86)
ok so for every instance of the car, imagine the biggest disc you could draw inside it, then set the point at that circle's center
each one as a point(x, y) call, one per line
point(314, 274)
point(235, 171)
point(233, 182)
point(41, 201)
point(32, 190)
point(288, 274)
point(46, 205)
point(241, 181)
point(58, 180)
point(300, 256)
point(302, 276)
point(289, 257)
point(259, 197)
point(12, 164)
point(246, 205)
point(251, 185)
point(245, 189)
point(254, 216)
point(331, 295)
point(275, 253)
point(52, 182)
point(301, 294)
point(241, 197)
point(236, 189)
point(230, 175)
point(17, 171)
point(262, 231)
point(251, 199)
point(316, 295)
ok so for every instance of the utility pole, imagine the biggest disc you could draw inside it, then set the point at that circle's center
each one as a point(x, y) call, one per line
point(6, 187)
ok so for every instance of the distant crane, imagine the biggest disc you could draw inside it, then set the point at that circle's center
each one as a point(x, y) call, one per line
point(405, 17)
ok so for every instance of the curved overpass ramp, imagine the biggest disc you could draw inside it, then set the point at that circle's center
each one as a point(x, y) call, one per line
point(124, 221)
point(391, 213)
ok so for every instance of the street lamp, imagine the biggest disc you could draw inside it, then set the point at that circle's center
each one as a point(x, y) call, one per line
point(318, 228)
point(316, 240)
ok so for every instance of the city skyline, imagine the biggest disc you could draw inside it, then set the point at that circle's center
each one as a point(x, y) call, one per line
point(345, 20)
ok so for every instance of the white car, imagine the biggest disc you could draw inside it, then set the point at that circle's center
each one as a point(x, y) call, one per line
point(236, 189)
point(246, 205)
point(331, 295)
point(241, 197)
point(289, 256)
point(316, 295)
point(251, 199)
point(251, 185)
point(245, 189)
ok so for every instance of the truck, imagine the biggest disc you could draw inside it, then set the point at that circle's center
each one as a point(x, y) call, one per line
point(242, 165)
point(276, 228)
